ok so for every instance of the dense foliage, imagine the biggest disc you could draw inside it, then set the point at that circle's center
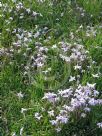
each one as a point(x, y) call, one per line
point(51, 67)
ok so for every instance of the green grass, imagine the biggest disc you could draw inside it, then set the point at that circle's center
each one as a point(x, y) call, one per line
point(33, 85)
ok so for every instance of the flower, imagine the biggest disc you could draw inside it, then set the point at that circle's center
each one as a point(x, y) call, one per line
point(23, 110)
point(62, 14)
point(20, 95)
point(0, 4)
point(21, 131)
point(53, 122)
point(65, 93)
point(51, 113)
point(95, 76)
point(37, 33)
point(87, 109)
point(38, 116)
point(51, 97)
point(35, 13)
point(62, 119)
point(99, 125)
point(92, 101)
point(68, 108)
point(54, 46)
point(83, 115)
point(72, 78)
point(77, 67)
point(91, 85)
point(58, 129)
point(14, 134)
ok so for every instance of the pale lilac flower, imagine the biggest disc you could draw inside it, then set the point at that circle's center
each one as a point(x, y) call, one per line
point(14, 134)
point(91, 85)
point(23, 110)
point(54, 46)
point(94, 62)
point(95, 76)
point(95, 92)
point(36, 34)
point(51, 97)
point(28, 10)
point(34, 13)
point(71, 35)
point(83, 115)
point(40, 64)
point(82, 100)
point(87, 109)
point(65, 93)
point(40, 1)
point(72, 78)
point(67, 59)
point(62, 119)
point(81, 26)
point(0, 4)
point(62, 112)
point(99, 101)
point(32, 57)
point(74, 56)
point(21, 131)
point(68, 108)
point(92, 101)
point(20, 95)
point(43, 109)
point(38, 116)
point(77, 67)
point(53, 122)
point(75, 103)
point(58, 129)
point(51, 113)
point(49, 69)
point(25, 73)
point(62, 14)
point(99, 125)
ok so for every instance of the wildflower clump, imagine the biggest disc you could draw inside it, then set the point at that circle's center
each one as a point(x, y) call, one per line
point(66, 104)
point(76, 101)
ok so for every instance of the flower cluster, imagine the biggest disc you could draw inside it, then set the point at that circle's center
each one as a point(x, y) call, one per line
point(73, 52)
point(23, 37)
point(68, 101)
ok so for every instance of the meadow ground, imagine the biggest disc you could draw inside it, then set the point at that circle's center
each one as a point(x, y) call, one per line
point(51, 68)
